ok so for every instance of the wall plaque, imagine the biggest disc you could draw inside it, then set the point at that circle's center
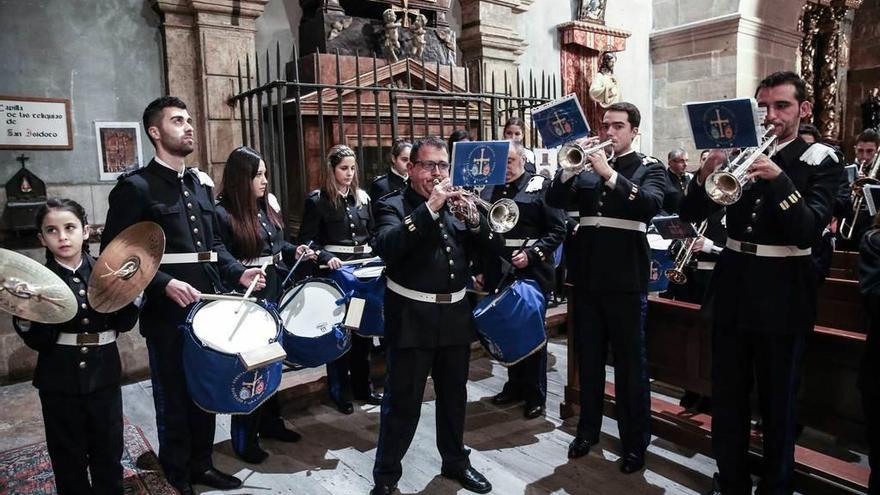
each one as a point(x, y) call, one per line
point(35, 123)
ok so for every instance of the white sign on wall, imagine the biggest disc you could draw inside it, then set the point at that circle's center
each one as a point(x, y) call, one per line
point(35, 123)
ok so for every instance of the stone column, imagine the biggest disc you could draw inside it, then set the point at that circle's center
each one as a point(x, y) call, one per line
point(489, 37)
point(204, 42)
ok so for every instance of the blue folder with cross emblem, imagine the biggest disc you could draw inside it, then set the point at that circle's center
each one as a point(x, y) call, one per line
point(724, 123)
point(560, 121)
point(479, 163)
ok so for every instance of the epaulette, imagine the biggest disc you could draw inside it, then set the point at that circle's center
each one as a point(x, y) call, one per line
point(648, 160)
point(388, 195)
point(536, 183)
point(316, 194)
point(129, 173)
point(273, 203)
point(204, 179)
point(363, 197)
point(816, 154)
point(377, 179)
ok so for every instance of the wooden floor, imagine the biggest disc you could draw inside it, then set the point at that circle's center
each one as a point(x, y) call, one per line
point(336, 454)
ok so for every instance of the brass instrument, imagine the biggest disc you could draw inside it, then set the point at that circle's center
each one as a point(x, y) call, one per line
point(502, 215)
point(572, 156)
point(725, 185)
point(869, 175)
point(676, 274)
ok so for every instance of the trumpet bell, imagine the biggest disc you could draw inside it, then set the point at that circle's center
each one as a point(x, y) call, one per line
point(676, 276)
point(503, 215)
point(571, 157)
point(723, 188)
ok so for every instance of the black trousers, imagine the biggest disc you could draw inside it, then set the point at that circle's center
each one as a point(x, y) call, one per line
point(738, 360)
point(527, 379)
point(186, 432)
point(356, 363)
point(871, 404)
point(618, 318)
point(246, 428)
point(401, 407)
point(84, 436)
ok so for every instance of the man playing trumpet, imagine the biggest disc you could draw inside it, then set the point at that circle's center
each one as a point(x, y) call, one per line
point(764, 287)
point(616, 199)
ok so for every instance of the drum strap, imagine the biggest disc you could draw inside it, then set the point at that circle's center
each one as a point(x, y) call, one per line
point(518, 243)
point(576, 214)
point(87, 339)
point(336, 248)
point(185, 258)
point(614, 223)
point(425, 296)
point(765, 250)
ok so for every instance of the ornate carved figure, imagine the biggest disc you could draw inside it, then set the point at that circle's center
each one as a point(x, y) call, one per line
point(418, 36)
point(392, 35)
point(592, 10)
point(603, 88)
point(447, 37)
point(338, 26)
point(871, 110)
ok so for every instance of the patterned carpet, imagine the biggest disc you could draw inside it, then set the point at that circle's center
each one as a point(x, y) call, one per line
point(28, 471)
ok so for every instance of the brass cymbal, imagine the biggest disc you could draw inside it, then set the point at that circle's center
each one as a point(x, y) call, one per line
point(31, 291)
point(126, 267)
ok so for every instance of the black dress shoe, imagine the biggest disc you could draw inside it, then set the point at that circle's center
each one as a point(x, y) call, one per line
point(532, 412)
point(504, 398)
point(216, 479)
point(470, 479)
point(689, 400)
point(632, 463)
point(579, 447)
point(374, 399)
point(345, 407)
point(253, 455)
point(281, 433)
point(185, 489)
point(383, 490)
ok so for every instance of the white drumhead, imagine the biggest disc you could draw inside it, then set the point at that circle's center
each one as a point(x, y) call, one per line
point(368, 272)
point(314, 309)
point(219, 327)
point(655, 241)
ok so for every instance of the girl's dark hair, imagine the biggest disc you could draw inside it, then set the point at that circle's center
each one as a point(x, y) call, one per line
point(62, 204)
point(242, 204)
point(398, 147)
point(517, 122)
point(456, 136)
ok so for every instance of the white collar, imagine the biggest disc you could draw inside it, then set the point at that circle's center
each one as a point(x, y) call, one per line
point(178, 172)
point(624, 154)
point(779, 146)
point(73, 270)
point(404, 177)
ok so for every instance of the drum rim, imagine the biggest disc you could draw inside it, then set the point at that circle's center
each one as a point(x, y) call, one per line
point(305, 281)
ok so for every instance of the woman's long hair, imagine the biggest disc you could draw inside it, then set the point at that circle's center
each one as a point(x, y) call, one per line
point(328, 176)
point(242, 204)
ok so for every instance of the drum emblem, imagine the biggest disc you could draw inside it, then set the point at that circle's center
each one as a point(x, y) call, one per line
point(249, 390)
point(655, 271)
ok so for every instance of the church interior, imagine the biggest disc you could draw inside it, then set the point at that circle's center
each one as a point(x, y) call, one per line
point(291, 78)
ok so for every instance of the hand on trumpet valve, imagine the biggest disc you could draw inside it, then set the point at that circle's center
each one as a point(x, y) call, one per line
point(763, 168)
point(600, 164)
point(698, 244)
point(441, 193)
point(714, 159)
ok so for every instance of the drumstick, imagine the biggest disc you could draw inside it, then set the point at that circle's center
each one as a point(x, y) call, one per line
point(226, 297)
point(293, 269)
point(362, 261)
point(510, 268)
point(250, 289)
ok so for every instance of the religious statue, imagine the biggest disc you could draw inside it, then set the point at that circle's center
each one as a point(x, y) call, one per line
point(871, 110)
point(447, 37)
point(392, 35)
point(338, 26)
point(592, 10)
point(603, 88)
point(418, 36)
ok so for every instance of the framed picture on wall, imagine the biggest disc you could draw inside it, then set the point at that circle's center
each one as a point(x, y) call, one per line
point(119, 148)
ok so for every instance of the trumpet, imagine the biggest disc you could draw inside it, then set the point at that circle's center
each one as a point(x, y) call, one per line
point(725, 185)
point(572, 156)
point(676, 274)
point(870, 173)
point(502, 215)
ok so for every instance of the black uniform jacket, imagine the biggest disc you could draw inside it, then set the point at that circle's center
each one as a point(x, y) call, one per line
point(763, 293)
point(326, 223)
point(386, 184)
point(272, 242)
point(537, 221)
point(431, 256)
point(76, 370)
point(869, 285)
point(676, 185)
point(611, 259)
point(184, 208)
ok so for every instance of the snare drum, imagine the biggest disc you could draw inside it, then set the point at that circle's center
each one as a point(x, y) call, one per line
point(368, 283)
point(313, 331)
point(510, 324)
point(216, 339)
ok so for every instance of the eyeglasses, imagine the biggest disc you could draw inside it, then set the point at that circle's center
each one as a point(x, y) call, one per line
point(430, 166)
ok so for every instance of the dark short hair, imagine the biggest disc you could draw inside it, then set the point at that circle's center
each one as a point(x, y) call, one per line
point(785, 77)
point(632, 112)
point(430, 141)
point(398, 146)
point(869, 136)
point(811, 130)
point(676, 152)
point(153, 112)
point(458, 135)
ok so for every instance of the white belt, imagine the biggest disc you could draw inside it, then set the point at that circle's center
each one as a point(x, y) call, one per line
point(182, 258)
point(335, 248)
point(424, 296)
point(765, 250)
point(87, 339)
point(269, 260)
point(705, 265)
point(573, 213)
point(515, 243)
point(615, 223)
